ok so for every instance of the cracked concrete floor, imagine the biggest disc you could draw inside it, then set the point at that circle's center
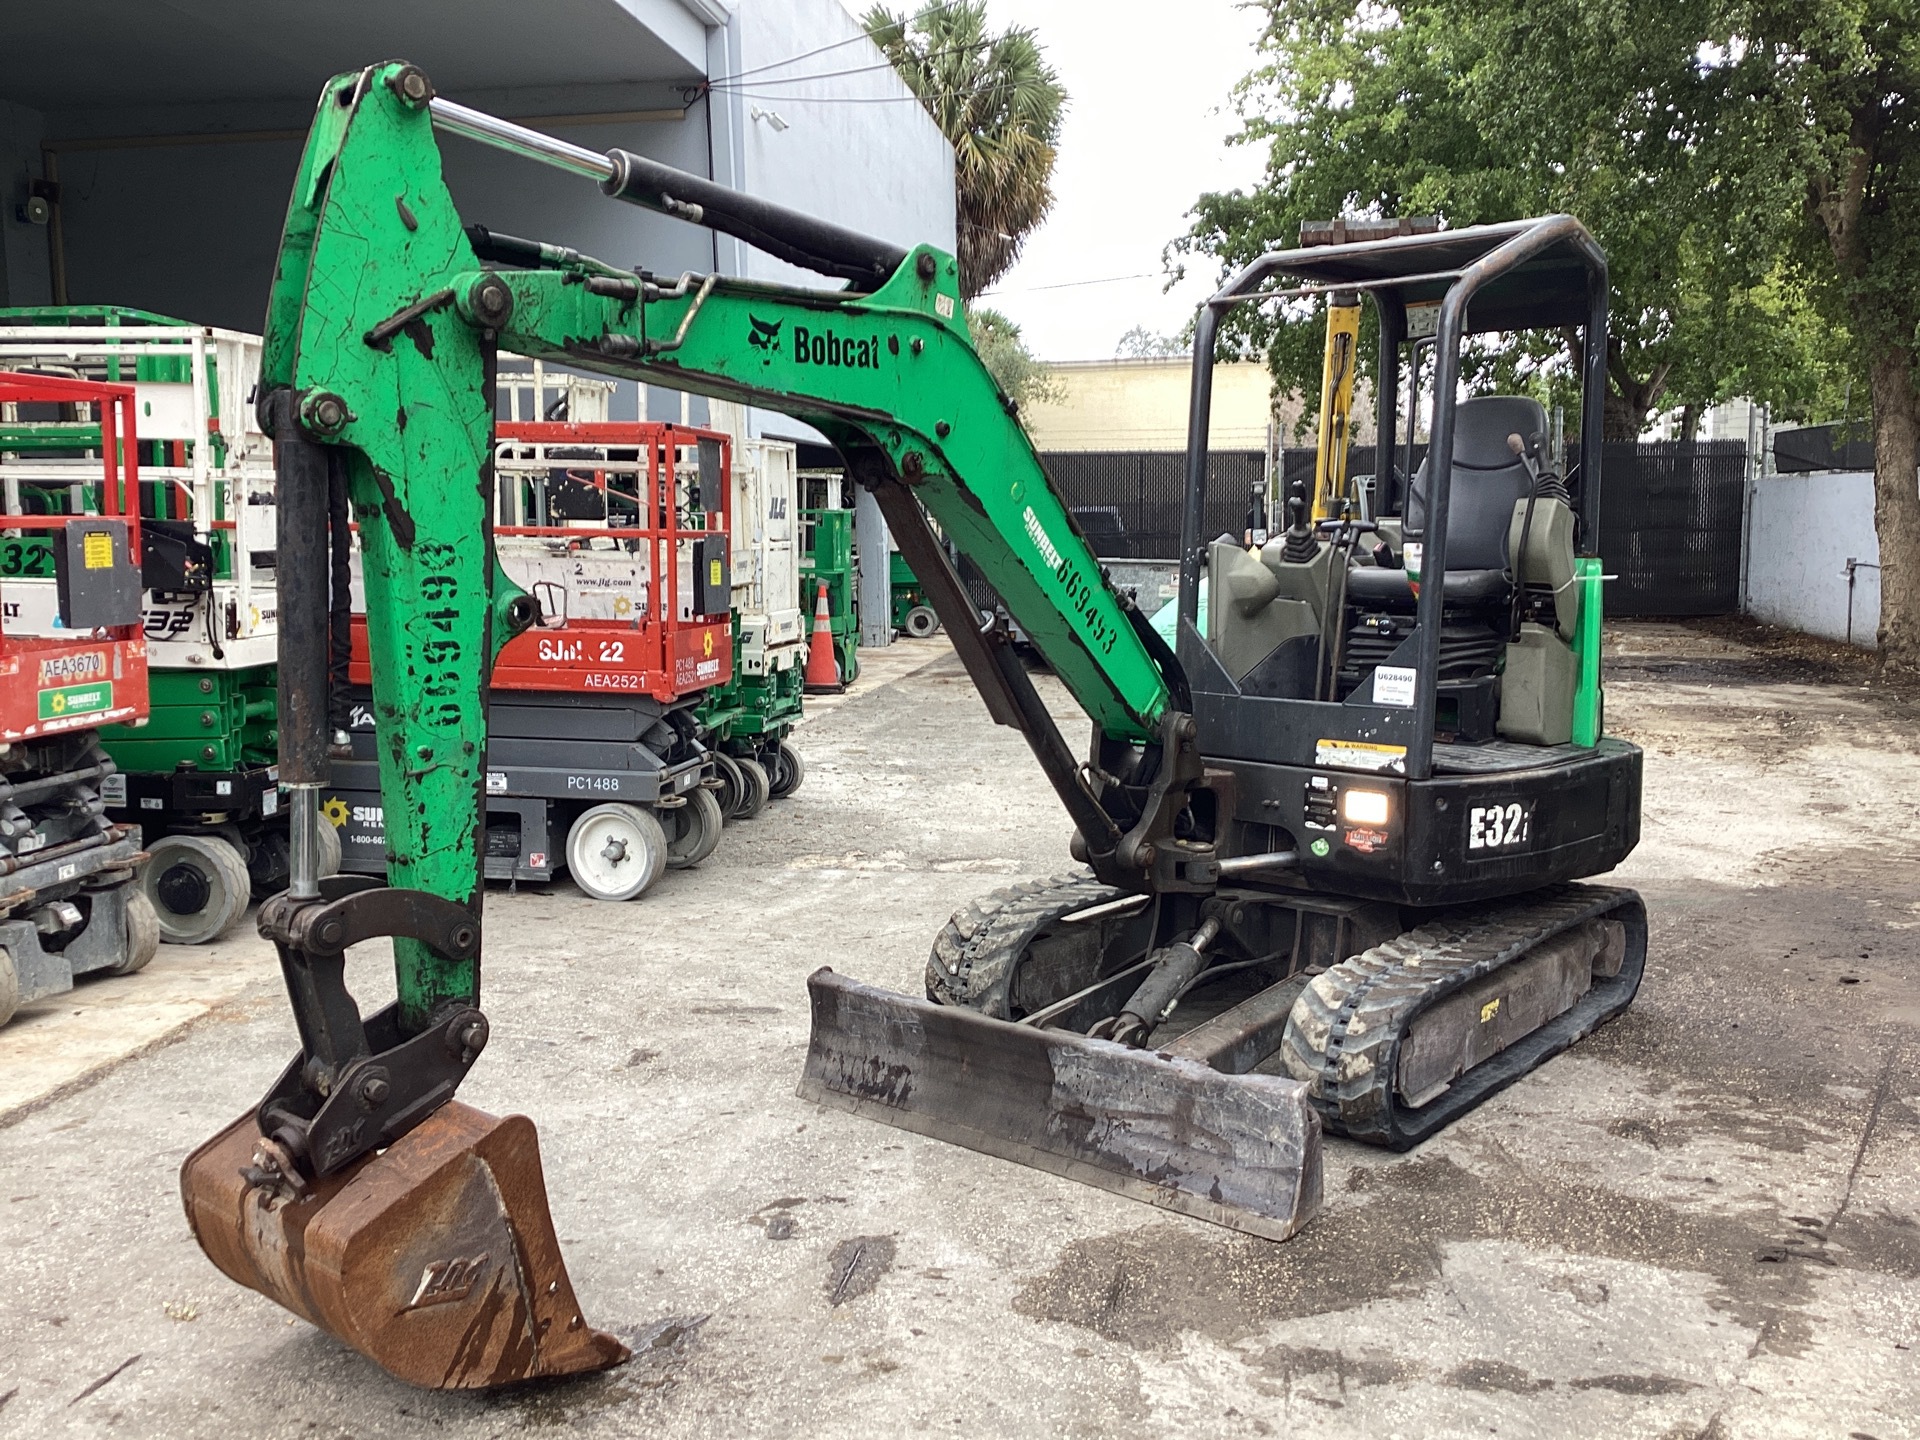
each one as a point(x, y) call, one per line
point(1701, 1222)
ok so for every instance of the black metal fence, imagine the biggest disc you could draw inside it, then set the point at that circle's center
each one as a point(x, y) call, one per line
point(1847, 446)
point(1670, 527)
point(1128, 501)
point(1670, 512)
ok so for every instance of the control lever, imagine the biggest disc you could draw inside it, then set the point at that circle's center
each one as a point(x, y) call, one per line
point(1301, 547)
point(1516, 564)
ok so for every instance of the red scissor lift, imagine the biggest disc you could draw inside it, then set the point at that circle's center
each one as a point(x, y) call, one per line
point(620, 531)
point(72, 658)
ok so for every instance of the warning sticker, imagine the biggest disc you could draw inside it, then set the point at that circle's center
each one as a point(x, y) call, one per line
point(96, 548)
point(1359, 755)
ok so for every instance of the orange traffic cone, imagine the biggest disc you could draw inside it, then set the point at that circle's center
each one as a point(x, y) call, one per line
point(823, 674)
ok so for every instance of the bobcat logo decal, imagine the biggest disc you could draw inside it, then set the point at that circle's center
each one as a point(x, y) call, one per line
point(765, 336)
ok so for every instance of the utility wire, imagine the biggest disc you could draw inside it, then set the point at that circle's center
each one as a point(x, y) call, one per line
point(731, 82)
point(828, 99)
point(1074, 284)
point(931, 10)
point(992, 85)
point(988, 88)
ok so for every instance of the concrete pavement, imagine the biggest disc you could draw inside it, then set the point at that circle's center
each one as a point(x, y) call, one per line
point(1701, 1222)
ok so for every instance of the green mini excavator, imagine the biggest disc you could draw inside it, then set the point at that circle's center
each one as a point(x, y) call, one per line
point(1330, 838)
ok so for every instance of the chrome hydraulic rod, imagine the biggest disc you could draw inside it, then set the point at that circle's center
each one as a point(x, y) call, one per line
point(1255, 864)
point(790, 235)
point(518, 140)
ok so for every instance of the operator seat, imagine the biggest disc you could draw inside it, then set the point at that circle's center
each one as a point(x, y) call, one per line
point(1487, 479)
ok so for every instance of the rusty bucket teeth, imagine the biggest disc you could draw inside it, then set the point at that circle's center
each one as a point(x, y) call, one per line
point(436, 1258)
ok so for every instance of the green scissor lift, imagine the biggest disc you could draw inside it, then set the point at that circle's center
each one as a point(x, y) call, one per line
point(913, 612)
point(751, 717)
point(828, 556)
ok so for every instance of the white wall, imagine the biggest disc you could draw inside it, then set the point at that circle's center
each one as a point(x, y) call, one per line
point(858, 149)
point(1802, 529)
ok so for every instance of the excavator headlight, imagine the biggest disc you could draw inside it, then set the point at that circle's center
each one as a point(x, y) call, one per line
point(1364, 807)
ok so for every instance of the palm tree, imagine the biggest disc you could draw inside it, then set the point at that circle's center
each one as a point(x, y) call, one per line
point(999, 104)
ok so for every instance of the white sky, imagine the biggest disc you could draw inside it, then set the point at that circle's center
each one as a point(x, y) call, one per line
point(1144, 136)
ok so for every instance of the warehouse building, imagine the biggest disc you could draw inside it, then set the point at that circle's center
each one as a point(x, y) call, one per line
point(150, 166)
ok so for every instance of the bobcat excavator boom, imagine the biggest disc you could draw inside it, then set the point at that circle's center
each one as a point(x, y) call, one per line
point(360, 1195)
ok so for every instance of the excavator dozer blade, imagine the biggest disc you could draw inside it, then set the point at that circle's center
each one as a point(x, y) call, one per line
point(1239, 1150)
point(435, 1258)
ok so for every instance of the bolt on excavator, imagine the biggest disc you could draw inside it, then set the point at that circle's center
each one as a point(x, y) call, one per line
point(1330, 837)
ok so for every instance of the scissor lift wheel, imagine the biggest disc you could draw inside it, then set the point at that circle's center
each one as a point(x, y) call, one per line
point(789, 771)
point(198, 885)
point(615, 851)
point(696, 829)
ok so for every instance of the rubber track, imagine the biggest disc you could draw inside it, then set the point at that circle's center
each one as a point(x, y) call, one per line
point(975, 952)
point(1343, 1036)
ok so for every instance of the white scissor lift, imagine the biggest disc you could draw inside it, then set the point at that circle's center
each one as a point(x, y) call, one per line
point(199, 776)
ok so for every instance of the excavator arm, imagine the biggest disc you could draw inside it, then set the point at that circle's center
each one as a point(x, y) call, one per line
point(383, 295)
point(386, 314)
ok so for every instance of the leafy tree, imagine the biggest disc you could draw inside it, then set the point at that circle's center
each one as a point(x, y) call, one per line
point(1140, 343)
point(1827, 96)
point(1752, 168)
point(997, 341)
point(999, 103)
point(1481, 112)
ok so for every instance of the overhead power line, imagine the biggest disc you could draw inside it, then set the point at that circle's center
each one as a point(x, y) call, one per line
point(931, 10)
point(1075, 284)
point(732, 83)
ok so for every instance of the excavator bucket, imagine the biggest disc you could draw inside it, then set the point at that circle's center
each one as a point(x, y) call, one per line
point(435, 1258)
point(1239, 1150)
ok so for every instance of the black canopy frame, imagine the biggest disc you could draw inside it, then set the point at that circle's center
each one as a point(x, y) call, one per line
point(1522, 275)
